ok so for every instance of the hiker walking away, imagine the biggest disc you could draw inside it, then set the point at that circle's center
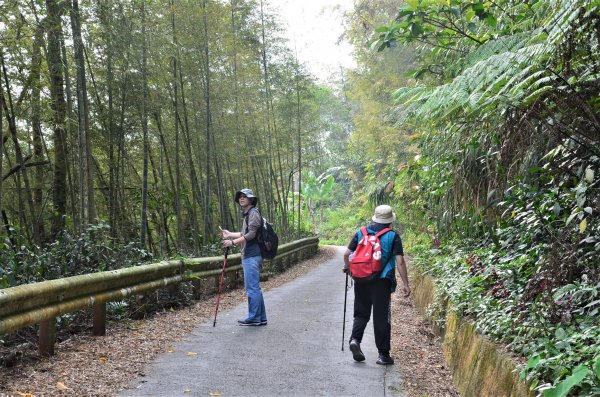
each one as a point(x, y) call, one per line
point(251, 257)
point(375, 291)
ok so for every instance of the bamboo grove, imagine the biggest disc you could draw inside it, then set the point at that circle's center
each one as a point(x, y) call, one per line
point(147, 116)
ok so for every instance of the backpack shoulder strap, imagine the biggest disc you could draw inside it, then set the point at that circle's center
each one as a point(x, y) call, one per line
point(361, 233)
point(382, 232)
point(253, 208)
point(247, 217)
point(262, 220)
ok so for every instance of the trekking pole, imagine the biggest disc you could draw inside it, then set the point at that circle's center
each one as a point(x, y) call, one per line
point(345, 299)
point(221, 285)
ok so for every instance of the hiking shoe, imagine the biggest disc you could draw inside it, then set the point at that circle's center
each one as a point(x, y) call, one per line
point(357, 354)
point(248, 322)
point(385, 359)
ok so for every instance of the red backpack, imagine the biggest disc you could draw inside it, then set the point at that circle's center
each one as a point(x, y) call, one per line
point(366, 264)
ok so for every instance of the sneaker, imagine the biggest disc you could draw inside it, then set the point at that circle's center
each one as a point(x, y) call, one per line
point(357, 354)
point(385, 359)
point(264, 322)
point(248, 322)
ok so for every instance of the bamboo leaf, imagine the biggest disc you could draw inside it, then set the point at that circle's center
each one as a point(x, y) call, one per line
point(583, 225)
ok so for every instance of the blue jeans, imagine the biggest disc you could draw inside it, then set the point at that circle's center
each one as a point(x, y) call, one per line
point(256, 303)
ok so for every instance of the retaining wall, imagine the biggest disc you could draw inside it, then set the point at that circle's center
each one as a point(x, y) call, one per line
point(478, 366)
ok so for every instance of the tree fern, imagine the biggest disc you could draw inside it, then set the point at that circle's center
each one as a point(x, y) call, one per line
point(512, 70)
point(488, 119)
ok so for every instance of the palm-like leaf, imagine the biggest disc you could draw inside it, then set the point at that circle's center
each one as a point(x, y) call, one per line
point(512, 70)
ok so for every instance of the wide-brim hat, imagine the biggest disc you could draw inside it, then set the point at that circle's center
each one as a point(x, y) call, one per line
point(384, 214)
point(246, 192)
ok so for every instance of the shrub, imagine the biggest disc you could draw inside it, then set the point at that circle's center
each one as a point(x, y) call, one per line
point(93, 251)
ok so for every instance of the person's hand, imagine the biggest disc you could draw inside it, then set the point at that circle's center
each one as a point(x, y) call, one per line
point(225, 233)
point(406, 291)
point(346, 270)
point(227, 243)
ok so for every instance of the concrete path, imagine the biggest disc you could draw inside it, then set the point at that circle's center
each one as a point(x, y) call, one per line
point(297, 354)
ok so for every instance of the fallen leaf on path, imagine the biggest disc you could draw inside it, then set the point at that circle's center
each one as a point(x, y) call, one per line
point(191, 354)
point(61, 386)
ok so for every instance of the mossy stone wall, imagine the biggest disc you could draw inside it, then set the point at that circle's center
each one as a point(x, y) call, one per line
point(478, 366)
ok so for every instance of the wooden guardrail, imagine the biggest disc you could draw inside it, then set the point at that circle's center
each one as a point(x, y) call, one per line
point(40, 303)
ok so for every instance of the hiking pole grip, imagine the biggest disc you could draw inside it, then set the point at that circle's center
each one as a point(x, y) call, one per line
point(220, 285)
point(345, 300)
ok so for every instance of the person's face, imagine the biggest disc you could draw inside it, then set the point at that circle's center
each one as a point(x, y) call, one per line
point(244, 201)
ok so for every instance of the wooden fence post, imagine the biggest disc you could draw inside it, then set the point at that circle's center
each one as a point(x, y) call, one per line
point(99, 322)
point(47, 337)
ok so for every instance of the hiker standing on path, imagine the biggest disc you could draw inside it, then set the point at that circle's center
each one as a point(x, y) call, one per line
point(376, 291)
point(251, 257)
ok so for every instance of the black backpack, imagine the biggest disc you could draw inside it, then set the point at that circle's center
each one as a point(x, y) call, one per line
point(267, 239)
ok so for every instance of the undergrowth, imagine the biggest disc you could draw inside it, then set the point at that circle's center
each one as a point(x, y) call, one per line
point(510, 300)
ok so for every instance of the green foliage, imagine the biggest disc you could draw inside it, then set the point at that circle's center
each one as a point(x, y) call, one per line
point(341, 224)
point(502, 110)
point(564, 386)
point(493, 112)
point(504, 292)
point(223, 99)
point(531, 278)
point(316, 195)
point(93, 251)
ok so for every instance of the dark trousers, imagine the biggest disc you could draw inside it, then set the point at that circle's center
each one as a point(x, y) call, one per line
point(377, 295)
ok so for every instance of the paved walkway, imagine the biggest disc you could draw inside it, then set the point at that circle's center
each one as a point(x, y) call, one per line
point(297, 354)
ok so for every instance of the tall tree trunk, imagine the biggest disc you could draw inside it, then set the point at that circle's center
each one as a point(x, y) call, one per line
point(163, 146)
point(207, 223)
point(38, 146)
point(268, 117)
point(107, 20)
point(85, 143)
point(120, 161)
point(236, 133)
point(120, 138)
point(55, 63)
point(219, 184)
point(299, 143)
point(164, 158)
point(195, 181)
point(144, 214)
point(177, 187)
point(1, 146)
point(160, 218)
point(70, 158)
point(7, 103)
